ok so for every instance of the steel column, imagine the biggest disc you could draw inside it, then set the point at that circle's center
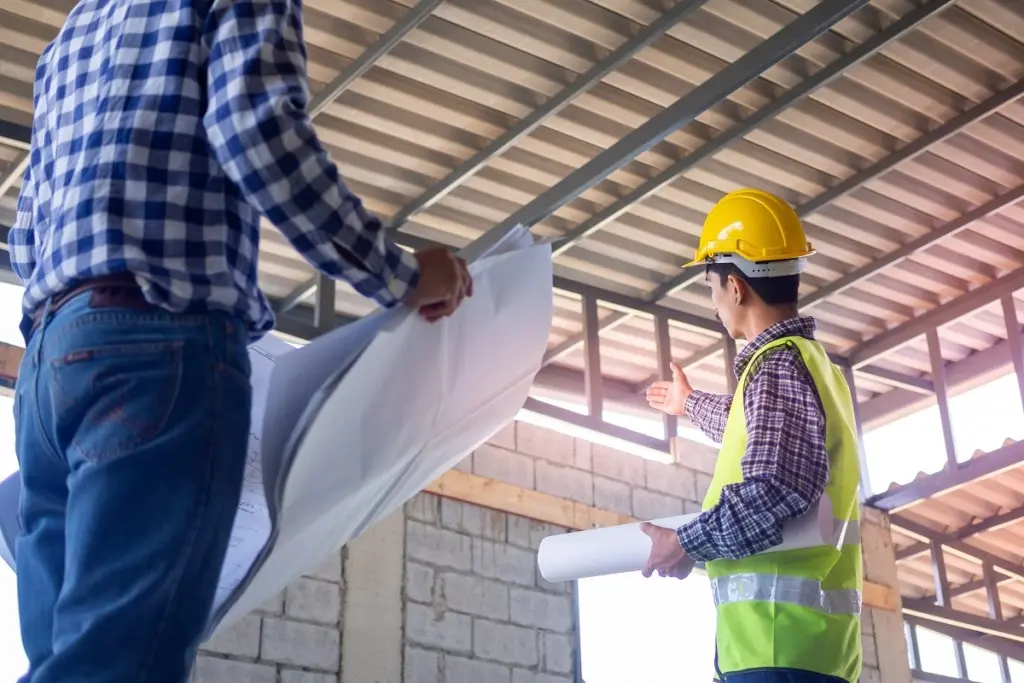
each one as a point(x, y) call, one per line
point(915, 648)
point(581, 84)
point(939, 575)
point(782, 44)
point(942, 397)
point(1015, 340)
point(791, 97)
point(592, 361)
point(664, 349)
point(323, 308)
point(995, 611)
point(730, 363)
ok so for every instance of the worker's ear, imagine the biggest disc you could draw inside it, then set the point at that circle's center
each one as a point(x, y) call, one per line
point(737, 289)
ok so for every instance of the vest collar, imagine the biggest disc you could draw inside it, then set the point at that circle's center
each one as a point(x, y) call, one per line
point(801, 326)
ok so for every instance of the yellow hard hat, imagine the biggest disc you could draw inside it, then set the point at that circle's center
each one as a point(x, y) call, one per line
point(755, 226)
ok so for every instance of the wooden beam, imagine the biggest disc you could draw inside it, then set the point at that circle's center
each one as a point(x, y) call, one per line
point(544, 507)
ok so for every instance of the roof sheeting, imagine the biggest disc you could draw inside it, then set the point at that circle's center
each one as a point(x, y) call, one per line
point(474, 68)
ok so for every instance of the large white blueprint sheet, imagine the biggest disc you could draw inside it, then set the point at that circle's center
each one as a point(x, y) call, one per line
point(352, 425)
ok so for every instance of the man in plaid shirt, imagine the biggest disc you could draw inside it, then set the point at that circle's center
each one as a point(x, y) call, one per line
point(788, 437)
point(163, 130)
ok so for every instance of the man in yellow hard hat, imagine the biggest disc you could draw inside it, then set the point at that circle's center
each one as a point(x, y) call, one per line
point(788, 436)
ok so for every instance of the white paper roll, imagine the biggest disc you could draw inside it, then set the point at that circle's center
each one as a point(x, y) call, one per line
point(625, 548)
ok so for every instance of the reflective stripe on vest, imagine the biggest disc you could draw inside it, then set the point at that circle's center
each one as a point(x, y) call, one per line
point(790, 589)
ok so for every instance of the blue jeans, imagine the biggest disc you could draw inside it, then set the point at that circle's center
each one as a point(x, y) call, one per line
point(780, 676)
point(132, 426)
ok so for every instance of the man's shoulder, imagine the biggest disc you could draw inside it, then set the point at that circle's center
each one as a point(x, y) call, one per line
point(778, 357)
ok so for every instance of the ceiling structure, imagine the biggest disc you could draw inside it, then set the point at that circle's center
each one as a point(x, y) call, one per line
point(895, 127)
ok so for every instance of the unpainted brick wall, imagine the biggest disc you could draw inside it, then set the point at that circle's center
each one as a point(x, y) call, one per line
point(477, 610)
point(551, 462)
point(294, 638)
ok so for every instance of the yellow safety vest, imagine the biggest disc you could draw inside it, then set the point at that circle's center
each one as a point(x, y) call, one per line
point(796, 609)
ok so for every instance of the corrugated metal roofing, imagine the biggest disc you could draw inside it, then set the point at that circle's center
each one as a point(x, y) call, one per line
point(475, 67)
point(992, 504)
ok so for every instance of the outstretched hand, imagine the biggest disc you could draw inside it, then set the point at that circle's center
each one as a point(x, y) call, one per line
point(670, 396)
point(667, 557)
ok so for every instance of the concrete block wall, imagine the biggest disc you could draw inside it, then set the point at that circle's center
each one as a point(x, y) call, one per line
point(593, 474)
point(294, 638)
point(477, 610)
point(448, 592)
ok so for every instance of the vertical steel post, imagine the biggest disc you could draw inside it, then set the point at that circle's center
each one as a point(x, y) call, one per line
point(939, 574)
point(1015, 341)
point(663, 340)
point(730, 363)
point(323, 307)
point(995, 611)
point(592, 360)
point(942, 396)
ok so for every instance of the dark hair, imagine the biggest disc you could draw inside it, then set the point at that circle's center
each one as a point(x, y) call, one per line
point(774, 291)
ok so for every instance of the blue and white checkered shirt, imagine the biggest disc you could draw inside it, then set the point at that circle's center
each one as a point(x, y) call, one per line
point(163, 129)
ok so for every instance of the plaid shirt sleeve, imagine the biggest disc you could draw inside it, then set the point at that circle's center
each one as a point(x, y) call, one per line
point(261, 135)
point(709, 412)
point(785, 468)
point(21, 239)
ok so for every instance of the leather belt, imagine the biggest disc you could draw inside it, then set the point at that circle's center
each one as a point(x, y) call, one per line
point(107, 291)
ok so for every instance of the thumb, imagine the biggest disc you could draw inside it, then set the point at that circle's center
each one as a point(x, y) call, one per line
point(677, 372)
point(648, 529)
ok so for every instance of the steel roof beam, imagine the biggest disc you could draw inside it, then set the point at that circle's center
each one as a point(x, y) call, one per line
point(987, 524)
point(15, 135)
point(936, 318)
point(963, 375)
point(965, 620)
point(998, 646)
point(14, 173)
point(356, 69)
point(791, 97)
point(988, 465)
point(384, 44)
point(581, 84)
point(875, 171)
point(795, 95)
point(782, 44)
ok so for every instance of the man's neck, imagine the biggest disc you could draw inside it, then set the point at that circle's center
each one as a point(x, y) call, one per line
point(762, 318)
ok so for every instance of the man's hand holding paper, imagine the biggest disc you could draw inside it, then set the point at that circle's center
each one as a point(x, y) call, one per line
point(667, 556)
point(444, 282)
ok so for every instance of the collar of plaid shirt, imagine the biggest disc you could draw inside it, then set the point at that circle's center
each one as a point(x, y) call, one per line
point(800, 326)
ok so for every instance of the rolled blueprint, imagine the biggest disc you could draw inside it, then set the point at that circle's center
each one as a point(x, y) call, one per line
point(625, 548)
